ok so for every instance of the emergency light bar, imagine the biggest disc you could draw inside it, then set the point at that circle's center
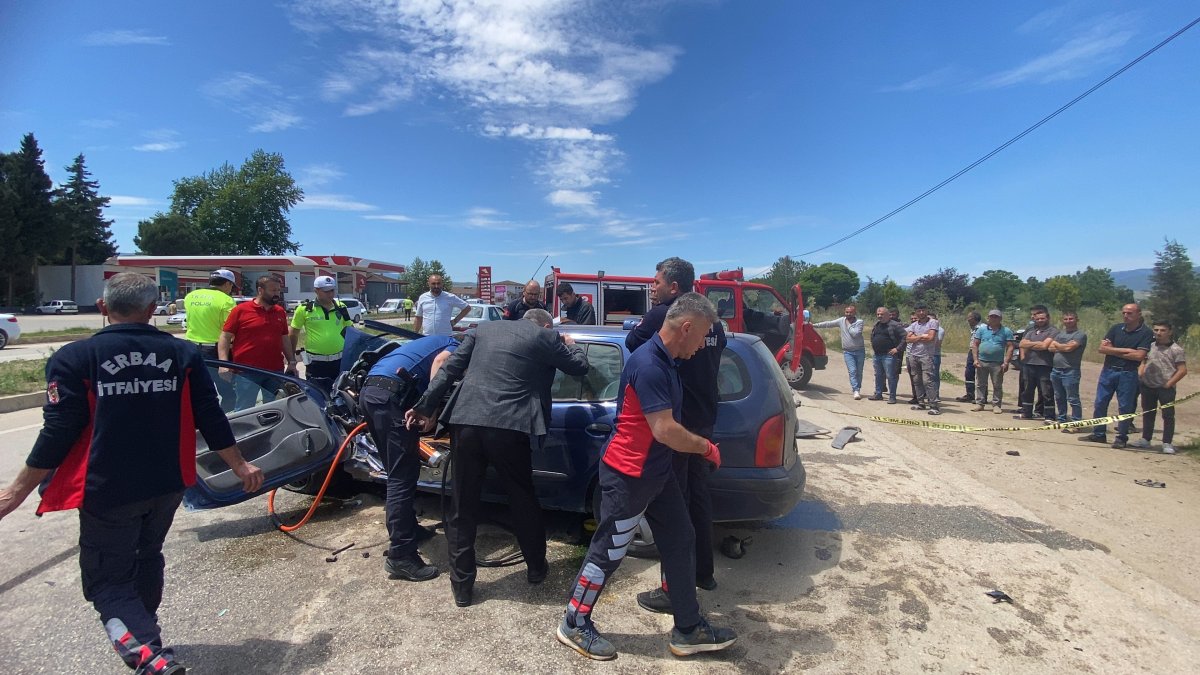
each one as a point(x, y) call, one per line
point(725, 275)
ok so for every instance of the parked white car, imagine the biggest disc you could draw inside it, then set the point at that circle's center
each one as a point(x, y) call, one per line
point(177, 319)
point(391, 306)
point(10, 330)
point(58, 307)
point(358, 313)
point(477, 315)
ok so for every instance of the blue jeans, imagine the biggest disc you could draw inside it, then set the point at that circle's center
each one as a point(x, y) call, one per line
point(885, 370)
point(856, 360)
point(1123, 383)
point(1066, 392)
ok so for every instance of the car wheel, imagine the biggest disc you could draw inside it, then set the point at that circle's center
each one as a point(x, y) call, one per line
point(58, 311)
point(3, 339)
point(799, 379)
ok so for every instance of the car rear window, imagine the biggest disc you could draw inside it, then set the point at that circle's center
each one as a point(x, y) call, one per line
point(733, 379)
point(350, 303)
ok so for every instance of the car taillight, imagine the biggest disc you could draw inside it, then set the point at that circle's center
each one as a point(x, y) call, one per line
point(12, 319)
point(768, 452)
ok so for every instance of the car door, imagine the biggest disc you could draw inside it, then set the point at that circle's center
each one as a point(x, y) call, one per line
point(280, 426)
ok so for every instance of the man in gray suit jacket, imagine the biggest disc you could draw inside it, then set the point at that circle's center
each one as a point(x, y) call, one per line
point(498, 415)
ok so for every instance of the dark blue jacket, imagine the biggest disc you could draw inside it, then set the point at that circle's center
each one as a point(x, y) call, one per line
point(122, 409)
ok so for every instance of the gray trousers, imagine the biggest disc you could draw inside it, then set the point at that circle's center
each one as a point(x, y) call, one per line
point(926, 381)
point(985, 371)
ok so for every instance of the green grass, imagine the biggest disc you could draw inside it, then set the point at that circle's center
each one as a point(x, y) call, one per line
point(22, 377)
point(950, 378)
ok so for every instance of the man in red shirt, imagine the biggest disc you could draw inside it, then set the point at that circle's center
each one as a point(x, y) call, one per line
point(256, 334)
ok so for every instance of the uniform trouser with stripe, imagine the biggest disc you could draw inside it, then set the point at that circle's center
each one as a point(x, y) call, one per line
point(623, 502)
point(121, 565)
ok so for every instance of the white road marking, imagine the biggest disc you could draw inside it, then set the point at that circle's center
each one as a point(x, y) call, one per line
point(24, 428)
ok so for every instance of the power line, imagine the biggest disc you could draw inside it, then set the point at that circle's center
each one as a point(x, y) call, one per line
point(1007, 143)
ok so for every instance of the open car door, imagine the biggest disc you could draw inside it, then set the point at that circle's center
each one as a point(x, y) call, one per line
point(280, 425)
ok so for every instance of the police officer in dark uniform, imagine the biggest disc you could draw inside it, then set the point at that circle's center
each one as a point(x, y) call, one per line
point(531, 298)
point(672, 278)
point(392, 386)
point(122, 448)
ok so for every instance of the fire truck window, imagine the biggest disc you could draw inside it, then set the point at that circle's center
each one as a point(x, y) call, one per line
point(761, 301)
point(722, 299)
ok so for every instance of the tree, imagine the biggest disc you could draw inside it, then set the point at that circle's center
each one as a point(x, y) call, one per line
point(1062, 293)
point(829, 283)
point(242, 211)
point(1002, 286)
point(784, 274)
point(417, 278)
point(870, 297)
point(81, 211)
point(170, 234)
point(894, 295)
point(956, 287)
point(32, 233)
point(1175, 288)
point(1097, 288)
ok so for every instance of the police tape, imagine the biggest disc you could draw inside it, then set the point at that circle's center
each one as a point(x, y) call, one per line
point(961, 428)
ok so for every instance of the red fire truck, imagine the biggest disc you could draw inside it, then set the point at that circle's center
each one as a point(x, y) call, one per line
point(744, 307)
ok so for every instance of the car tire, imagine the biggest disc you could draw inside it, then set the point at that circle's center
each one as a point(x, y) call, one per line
point(58, 311)
point(799, 379)
point(3, 339)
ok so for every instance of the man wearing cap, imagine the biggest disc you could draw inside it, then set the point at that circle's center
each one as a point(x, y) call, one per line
point(256, 334)
point(435, 307)
point(324, 322)
point(991, 350)
point(207, 309)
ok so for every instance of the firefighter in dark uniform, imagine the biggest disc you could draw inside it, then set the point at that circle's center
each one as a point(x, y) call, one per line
point(698, 374)
point(122, 409)
point(392, 386)
point(531, 298)
point(637, 479)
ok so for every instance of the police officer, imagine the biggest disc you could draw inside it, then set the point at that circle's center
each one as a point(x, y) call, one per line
point(393, 384)
point(324, 321)
point(207, 309)
point(531, 298)
point(122, 449)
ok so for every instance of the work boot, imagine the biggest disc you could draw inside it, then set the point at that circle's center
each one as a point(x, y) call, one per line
point(965, 399)
point(411, 568)
point(708, 584)
point(1118, 444)
point(536, 574)
point(702, 638)
point(586, 640)
point(462, 590)
point(656, 600)
point(1093, 438)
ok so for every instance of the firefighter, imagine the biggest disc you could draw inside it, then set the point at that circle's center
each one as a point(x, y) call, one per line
point(324, 322)
point(121, 413)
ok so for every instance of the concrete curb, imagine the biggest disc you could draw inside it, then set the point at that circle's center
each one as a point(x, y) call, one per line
point(22, 402)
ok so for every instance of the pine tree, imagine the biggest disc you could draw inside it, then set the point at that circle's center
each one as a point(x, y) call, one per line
point(32, 234)
point(81, 212)
point(1175, 288)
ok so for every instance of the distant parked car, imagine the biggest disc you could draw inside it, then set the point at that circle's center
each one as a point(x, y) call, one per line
point(177, 319)
point(357, 312)
point(391, 306)
point(10, 330)
point(58, 307)
point(477, 315)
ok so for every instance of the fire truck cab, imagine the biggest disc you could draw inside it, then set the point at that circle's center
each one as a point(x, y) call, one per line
point(743, 307)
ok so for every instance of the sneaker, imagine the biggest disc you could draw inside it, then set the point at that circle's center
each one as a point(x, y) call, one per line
point(857, 395)
point(876, 397)
point(1093, 438)
point(1070, 430)
point(586, 641)
point(161, 666)
point(997, 409)
point(709, 584)
point(1168, 449)
point(935, 411)
point(1140, 444)
point(703, 638)
point(913, 401)
point(892, 401)
point(412, 568)
point(656, 600)
point(919, 406)
point(979, 407)
point(1119, 444)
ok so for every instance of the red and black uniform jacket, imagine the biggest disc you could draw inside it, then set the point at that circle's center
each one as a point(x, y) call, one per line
point(122, 409)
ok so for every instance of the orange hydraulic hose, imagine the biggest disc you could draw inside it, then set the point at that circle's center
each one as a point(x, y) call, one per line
point(320, 493)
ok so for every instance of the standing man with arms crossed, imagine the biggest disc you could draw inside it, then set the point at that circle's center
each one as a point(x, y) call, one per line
point(991, 350)
point(256, 334)
point(922, 339)
point(325, 322)
point(1164, 367)
point(392, 386)
point(1036, 365)
point(497, 417)
point(1124, 348)
point(853, 349)
point(637, 479)
point(698, 377)
point(435, 307)
point(207, 309)
point(531, 298)
point(887, 339)
point(121, 413)
point(1067, 349)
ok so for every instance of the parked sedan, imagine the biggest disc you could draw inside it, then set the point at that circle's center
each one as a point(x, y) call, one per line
point(10, 329)
point(290, 431)
point(58, 307)
point(477, 315)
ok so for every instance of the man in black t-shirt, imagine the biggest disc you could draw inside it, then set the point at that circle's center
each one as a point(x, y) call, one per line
point(1124, 347)
point(531, 298)
point(577, 309)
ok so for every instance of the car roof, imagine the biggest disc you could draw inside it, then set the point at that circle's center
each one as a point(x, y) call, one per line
point(611, 332)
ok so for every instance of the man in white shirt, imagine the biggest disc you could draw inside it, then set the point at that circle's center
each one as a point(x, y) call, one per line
point(435, 307)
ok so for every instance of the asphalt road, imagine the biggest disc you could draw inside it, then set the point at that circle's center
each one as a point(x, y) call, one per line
point(882, 568)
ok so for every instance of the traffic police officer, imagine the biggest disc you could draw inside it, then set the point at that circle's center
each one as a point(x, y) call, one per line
point(121, 413)
point(324, 322)
point(207, 309)
point(392, 386)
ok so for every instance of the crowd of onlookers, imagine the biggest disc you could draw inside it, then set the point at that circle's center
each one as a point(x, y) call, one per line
point(1140, 360)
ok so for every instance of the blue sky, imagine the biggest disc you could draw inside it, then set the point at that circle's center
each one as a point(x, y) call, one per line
point(611, 134)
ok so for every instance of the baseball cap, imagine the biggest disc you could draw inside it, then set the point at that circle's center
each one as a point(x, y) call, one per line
point(996, 312)
point(223, 274)
point(324, 284)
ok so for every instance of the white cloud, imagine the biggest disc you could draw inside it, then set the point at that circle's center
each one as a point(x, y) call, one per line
point(572, 198)
point(1096, 45)
point(333, 202)
point(531, 132)
point(318, 175)
point(125, 200)
point(571, 227)
point(488, 219)
point(929, 80)
point(266, 104)
point(394, 217)
point(160, 146)
point(121, 38)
